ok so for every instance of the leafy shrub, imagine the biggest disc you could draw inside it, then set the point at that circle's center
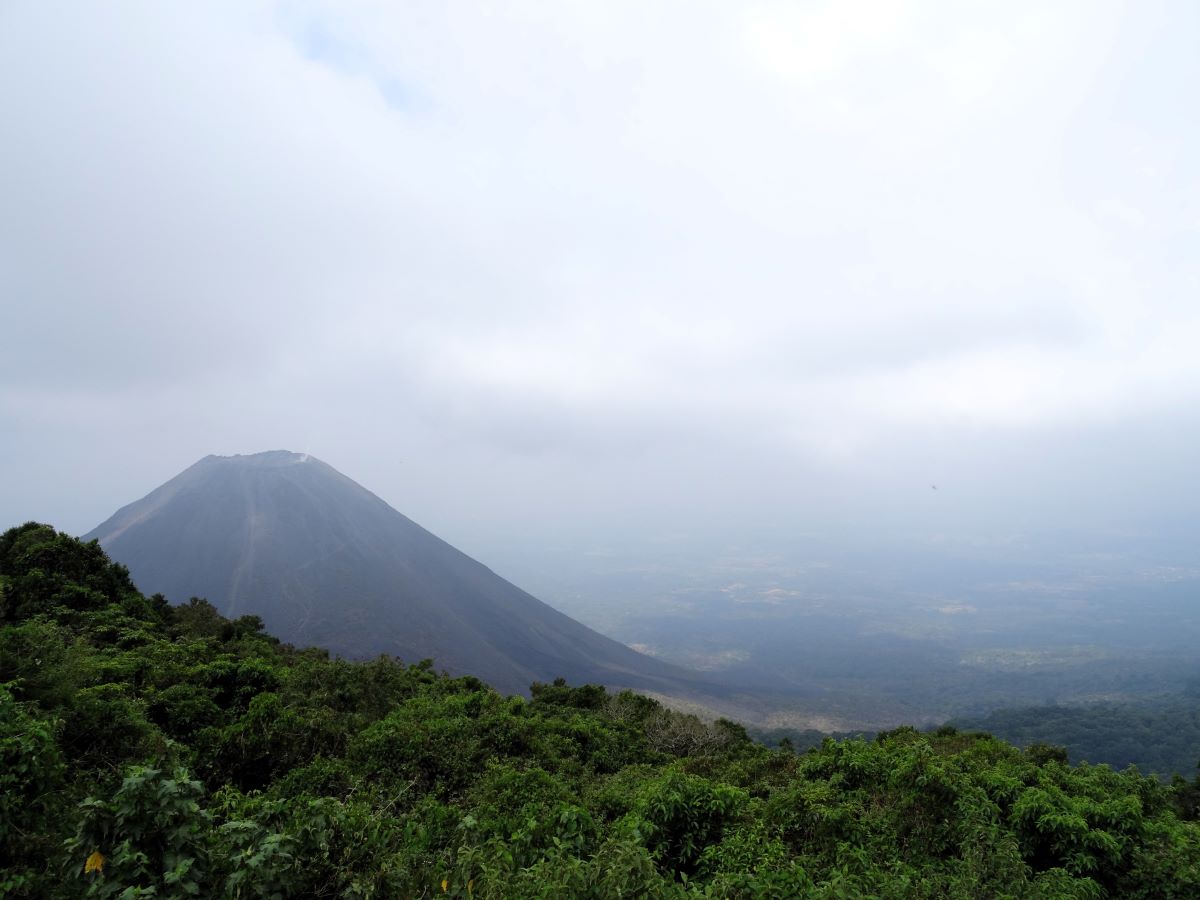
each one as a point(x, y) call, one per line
point(677, 816)
point(31, 772)
point(150, 838)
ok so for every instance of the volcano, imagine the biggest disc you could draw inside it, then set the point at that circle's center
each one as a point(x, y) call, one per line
point(325, 562)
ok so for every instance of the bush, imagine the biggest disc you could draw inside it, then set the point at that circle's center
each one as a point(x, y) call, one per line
point(150, 837)
point(31, 772)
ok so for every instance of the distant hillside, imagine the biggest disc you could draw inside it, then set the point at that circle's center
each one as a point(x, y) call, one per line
point(1156, 736)
point(325, 562)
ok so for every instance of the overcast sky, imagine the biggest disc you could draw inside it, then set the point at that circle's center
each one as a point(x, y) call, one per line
point(529, 270)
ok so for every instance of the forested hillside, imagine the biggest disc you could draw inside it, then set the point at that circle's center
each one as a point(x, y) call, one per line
point(1161, 737)
point(157, 750)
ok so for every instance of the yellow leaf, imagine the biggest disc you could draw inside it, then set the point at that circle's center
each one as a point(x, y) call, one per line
point(95, 863)
point(445, 885)
point(470, 885)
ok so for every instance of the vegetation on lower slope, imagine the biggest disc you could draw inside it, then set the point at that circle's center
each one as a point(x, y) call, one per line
point(1160, 736)
point(152, 750)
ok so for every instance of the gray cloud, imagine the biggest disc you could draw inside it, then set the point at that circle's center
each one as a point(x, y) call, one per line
point(568, 268)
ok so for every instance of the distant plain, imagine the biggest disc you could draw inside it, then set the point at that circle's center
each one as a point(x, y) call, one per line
point(904, 632)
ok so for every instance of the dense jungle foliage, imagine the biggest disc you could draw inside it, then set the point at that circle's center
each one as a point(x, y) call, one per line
point(157, 750)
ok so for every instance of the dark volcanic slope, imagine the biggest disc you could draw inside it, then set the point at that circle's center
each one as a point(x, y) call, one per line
point(326, 562)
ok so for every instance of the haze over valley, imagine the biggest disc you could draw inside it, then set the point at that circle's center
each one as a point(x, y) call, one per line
point(903, 632)
point(802, 634)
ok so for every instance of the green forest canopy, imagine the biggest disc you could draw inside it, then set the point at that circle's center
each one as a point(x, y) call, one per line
point(157, 750)
point(1160, 736)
